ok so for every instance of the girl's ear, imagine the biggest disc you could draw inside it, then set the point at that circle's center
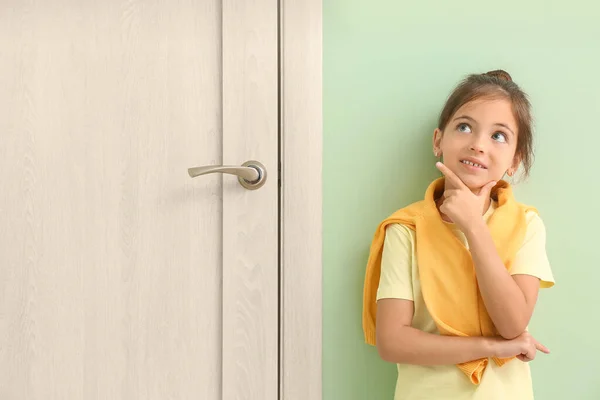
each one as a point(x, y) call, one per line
point(515, 166)
point(437, 142)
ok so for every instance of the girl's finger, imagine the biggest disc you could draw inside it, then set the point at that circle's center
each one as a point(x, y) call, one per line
point(542, 348)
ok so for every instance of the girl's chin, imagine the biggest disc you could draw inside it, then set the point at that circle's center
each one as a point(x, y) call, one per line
point(475, 184)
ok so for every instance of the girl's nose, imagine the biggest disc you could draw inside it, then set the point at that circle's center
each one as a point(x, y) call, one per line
point(477, 144)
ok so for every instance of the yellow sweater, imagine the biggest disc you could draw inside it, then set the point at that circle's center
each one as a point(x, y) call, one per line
point(446, 270)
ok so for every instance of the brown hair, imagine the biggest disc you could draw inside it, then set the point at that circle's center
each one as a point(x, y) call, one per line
point(496, 84)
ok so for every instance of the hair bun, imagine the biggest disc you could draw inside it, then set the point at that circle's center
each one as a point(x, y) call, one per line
point(500, 74)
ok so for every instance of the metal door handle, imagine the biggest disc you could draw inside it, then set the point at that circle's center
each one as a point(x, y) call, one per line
point(251, 175)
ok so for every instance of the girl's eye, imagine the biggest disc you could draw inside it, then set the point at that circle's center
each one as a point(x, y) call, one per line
point(463, 128)
point(499, 136)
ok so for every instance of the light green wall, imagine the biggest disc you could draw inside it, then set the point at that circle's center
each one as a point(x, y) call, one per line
point(388, 66)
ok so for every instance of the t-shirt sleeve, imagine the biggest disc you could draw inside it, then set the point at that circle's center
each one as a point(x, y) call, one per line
point(531, 259)
point(396, 264)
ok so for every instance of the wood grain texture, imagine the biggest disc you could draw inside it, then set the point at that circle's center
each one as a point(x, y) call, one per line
point(302, 129)
point(110, 255)
point(250, 218)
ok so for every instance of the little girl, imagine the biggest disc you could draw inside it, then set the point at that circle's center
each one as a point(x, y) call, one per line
point(452, 280)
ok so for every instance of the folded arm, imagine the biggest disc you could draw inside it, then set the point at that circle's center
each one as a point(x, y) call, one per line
point(398, 342)
point(509, 300)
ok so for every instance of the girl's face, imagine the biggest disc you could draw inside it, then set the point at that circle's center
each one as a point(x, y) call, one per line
point(479, 142)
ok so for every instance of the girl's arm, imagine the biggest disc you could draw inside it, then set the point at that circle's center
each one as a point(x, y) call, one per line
point(509, 300)
point(398, 342)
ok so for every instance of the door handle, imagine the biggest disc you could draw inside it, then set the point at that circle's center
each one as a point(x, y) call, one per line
point(251, 175)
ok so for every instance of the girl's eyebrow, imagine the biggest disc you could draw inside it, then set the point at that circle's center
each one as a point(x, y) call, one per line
point(472, 119)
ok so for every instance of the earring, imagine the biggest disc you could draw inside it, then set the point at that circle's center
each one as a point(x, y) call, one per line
point(510, 172)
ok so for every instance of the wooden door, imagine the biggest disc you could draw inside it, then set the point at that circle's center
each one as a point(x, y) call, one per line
point(121, 277)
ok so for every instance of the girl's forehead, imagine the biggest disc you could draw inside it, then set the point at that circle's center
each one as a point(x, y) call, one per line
point(499, 110)
point(484, 104)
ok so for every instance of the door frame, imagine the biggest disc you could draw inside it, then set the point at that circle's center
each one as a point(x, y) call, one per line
point(301, 130)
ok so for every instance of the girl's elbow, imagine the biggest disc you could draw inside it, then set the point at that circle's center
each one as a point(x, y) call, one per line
point(512, 332)
point(383, 353)
point(387, 349)
point(509, 335)
point(384, 350)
